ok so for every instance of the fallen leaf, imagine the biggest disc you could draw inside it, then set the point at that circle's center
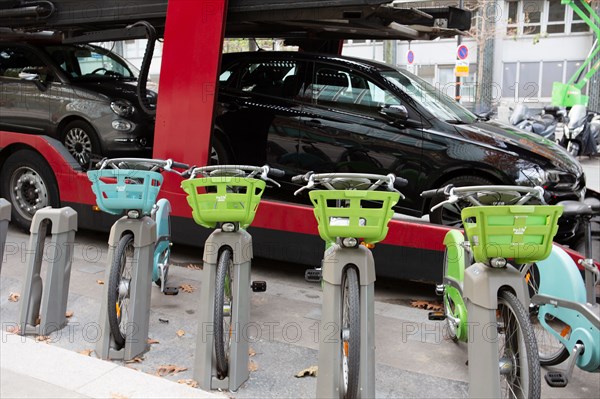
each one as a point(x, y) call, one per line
point(38, 321)
point(100, 282)
point(187, 288)
point(251, 352)
point(135, 360)
point(129, 366)
point(152, 341)
point(118, 396)
point(14, 297)
point(435, 306)
point(42, 338)
point(87, 352)
point(69, 314)
point(190, 382)
point(252, 366)
point(13, 329)
point(309, 372)
point(194, 267)
point(180, 333)
point(169, 369)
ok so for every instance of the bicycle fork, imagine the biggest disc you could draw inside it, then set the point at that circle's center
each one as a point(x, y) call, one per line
point(330, 379)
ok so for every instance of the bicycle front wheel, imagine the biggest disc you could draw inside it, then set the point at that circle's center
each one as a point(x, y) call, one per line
point(519, 361)
point(223, 311)
point(119, 282)
point(350, 332)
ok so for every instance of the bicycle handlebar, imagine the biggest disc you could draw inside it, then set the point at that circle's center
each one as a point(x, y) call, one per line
point(518, 195)
point(353, 180)
point(248, 171)
point(128, 163)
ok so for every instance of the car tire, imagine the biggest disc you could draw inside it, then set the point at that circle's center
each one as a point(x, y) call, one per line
point(450, 215)
point(81, 141)
point(218, 153)
point(28, 183)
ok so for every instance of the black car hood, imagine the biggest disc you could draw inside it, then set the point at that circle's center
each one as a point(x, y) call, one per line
point(114, 89)
point(530, 145)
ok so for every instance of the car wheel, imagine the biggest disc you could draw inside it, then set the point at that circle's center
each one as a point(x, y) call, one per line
point(449, 215)
point(28, 183)
point(81, 141)
point(218, 153)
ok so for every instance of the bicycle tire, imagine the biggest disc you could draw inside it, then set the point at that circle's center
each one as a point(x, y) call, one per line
point(519, 361)
point(550, 350)
point(118, 301)
point(223, 292)
point(350, 333)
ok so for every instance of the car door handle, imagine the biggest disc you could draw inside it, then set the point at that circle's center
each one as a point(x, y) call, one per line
point(313, 122)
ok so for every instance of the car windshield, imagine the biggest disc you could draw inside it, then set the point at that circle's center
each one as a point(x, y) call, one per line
point(432, 99)
point(87, 62)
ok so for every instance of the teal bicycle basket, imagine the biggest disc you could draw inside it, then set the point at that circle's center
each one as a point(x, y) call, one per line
point(520, 232)
point(236, 199)
point(118, 190)
point(353, 213)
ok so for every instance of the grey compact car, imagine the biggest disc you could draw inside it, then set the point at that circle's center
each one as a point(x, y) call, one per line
point(83, 95)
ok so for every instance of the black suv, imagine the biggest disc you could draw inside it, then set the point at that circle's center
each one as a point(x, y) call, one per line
point(83, 95)
point(308, 112)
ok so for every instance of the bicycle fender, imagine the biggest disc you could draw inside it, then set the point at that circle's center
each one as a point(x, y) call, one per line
point(456, 255)
point(560, 277)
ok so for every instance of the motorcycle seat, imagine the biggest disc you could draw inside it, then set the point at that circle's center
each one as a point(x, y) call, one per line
point(576, 208)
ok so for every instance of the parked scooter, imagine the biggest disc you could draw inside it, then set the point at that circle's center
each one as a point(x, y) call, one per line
point(544, 124)
point(581, 135)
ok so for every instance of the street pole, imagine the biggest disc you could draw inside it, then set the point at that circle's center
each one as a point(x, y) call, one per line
point(458, 43)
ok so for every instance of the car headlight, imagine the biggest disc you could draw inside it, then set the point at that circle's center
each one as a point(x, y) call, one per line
point(549, 178)
point(540, 177)
point(122, 107)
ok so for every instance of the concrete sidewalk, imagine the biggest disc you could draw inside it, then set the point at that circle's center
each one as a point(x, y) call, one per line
point(30, 369)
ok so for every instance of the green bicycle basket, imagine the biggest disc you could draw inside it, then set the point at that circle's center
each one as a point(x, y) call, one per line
point(342, 213)
point(235, 200)
point(118, 190)
point(520, 232)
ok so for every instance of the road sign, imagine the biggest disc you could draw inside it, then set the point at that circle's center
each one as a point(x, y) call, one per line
point(461, 68)
point(462, 52)
point(410, 57)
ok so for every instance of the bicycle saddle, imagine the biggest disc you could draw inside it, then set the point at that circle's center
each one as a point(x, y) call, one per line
point(350, 184)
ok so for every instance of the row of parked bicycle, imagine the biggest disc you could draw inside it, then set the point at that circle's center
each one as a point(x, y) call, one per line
point(502, 271)
point(577, 130)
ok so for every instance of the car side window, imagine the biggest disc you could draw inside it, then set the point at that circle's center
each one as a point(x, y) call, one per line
point(15, 62)
point(345, 89)
point(278, 78)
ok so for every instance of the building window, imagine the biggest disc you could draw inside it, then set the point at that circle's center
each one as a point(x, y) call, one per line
point(513, 18)
point(556, 17)
point(509, 79)
point(578, 24)
point(529, 78)
point(551, 72)
point(532, 16)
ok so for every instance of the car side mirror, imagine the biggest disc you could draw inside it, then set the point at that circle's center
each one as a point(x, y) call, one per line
point(398, 115)
point(32, 75)
point(29, 75)
point(395, 113)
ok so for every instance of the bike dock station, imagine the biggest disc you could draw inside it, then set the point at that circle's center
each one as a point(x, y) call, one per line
point(330, 355)
point(481, 286)
point(5, 208)
point(205, 371)
point(43, 309)
point(139, 290)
